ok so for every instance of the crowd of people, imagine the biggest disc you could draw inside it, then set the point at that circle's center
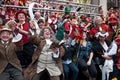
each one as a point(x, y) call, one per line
point(55, 46)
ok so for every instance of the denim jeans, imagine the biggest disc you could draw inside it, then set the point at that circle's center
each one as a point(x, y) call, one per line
point(70, 67)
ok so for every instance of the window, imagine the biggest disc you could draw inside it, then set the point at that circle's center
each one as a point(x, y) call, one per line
point(113, 3)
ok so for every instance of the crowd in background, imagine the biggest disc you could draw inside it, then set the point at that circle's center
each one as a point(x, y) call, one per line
point(61, 46)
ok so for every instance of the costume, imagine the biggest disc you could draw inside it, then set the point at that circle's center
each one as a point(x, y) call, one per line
point(16, 35)
point(25, 55)
point(53, 22)
point(102, 27)
point(39, 62)
point(68, 65)
point(102, 50)
point(64, 26)
point(83, 57)
point(116, 72)
point(113, 21)
point(67, 16)
point(10, 63)
point(85, 22)
point(76, 31)
point(9, 14)
point(48, 63)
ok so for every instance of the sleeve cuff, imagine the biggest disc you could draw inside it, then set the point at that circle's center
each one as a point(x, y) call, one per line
point(56, 55)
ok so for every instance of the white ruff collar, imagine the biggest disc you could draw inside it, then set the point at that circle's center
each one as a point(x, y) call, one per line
point(48, 41)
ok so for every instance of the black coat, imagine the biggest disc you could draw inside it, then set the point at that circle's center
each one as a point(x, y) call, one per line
point(98, 51)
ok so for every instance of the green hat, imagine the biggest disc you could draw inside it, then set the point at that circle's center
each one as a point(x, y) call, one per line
point(60, 33)
point(67, 10)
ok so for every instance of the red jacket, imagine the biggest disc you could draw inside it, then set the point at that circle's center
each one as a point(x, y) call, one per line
point(26, 28)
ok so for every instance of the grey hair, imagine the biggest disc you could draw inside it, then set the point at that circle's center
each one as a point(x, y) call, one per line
point(96, 18)
point(52, 37)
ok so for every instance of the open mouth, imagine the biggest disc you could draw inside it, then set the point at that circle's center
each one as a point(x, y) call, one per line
point(5, 37)
point(47, 33)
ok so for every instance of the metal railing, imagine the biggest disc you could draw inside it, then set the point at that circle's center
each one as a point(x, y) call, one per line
point(85, 9)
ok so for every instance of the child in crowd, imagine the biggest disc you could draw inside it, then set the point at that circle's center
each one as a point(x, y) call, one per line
point(9, 63)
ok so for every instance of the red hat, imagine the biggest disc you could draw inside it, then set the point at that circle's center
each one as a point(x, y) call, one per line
point(16, 15)
point(10, 10)
point(104, 28)
point(103, 31)
point(82, 17)
point(53, 17)
point(113, 19)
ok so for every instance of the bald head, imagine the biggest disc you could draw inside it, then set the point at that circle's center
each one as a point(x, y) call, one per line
point(37, 15)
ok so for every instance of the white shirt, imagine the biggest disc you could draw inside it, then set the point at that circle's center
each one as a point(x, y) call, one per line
point(5, 43)
point(113, 50)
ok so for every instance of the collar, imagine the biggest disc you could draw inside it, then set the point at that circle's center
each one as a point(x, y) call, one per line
point(48, 41)
point(4, 42)
point(22, 22)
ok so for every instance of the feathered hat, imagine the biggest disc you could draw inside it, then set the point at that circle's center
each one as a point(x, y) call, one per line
point(17, 37)
point(9, 23)
point(102, 32)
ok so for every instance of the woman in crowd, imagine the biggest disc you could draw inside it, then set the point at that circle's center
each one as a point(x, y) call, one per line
point(104, 52)
point(47, 57)
point(85, 58)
